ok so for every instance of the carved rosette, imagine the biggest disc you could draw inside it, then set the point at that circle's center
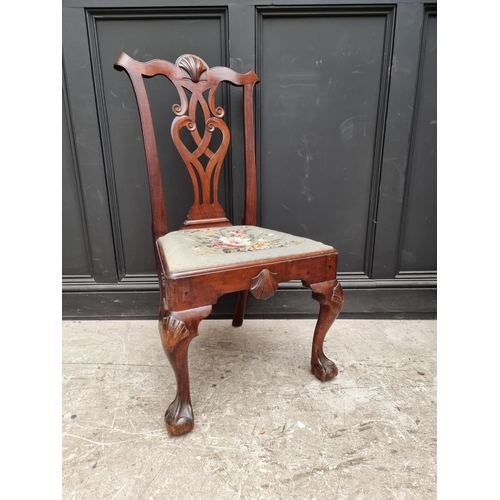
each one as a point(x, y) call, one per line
point(264, 285)
point(173, 332)
point(192, 65)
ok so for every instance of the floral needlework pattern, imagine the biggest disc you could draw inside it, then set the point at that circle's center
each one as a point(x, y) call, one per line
point(241, 239)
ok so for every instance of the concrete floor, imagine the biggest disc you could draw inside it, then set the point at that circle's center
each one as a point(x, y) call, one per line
point(266, 428)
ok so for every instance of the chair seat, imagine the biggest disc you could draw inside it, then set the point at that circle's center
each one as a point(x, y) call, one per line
point(193, 249)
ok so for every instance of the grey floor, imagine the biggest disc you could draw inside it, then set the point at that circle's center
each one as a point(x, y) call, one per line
point(265, 426)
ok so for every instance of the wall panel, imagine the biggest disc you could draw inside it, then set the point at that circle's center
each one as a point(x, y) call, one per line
point(323, 101)
point(141, 34)
point(75, 251)
point(419, 231)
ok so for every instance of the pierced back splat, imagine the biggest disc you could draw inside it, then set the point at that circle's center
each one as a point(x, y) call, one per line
point(190, 73)
point(205, 179)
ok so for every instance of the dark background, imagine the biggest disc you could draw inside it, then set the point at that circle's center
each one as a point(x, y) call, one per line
point(346, 146)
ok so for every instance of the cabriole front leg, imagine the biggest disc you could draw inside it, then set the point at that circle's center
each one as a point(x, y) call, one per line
point(330, 296)
point(177, 329)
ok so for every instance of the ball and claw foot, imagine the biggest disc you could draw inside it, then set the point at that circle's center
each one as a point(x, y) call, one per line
point(179, 418)
point(323, 368)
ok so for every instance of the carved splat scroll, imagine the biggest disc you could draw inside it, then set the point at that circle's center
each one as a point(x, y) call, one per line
point(264, 285)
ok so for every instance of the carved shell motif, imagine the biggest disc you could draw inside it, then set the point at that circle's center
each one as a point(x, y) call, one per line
point(264, 285)
point(321, 293)
point(338, 295)
point(173, 332)
point(192, 65)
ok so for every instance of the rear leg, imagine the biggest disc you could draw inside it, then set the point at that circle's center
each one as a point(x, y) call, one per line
point(241, 305)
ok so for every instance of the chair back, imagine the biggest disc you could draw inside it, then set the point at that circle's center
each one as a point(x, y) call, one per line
point(196, 123)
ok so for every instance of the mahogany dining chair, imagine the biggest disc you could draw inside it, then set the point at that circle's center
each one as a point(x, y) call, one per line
point(208, 256)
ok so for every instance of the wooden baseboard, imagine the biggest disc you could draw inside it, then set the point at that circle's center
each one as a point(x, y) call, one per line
point(384, 302)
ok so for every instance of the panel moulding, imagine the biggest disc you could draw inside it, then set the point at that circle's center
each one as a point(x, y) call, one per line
point(93, 16)
point(388, 12)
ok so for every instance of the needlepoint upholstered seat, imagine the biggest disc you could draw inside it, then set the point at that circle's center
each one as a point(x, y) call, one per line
point(208, 256)
point(192, 249)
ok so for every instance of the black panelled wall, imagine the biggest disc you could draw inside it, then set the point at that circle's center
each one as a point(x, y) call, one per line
point(346, 145)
